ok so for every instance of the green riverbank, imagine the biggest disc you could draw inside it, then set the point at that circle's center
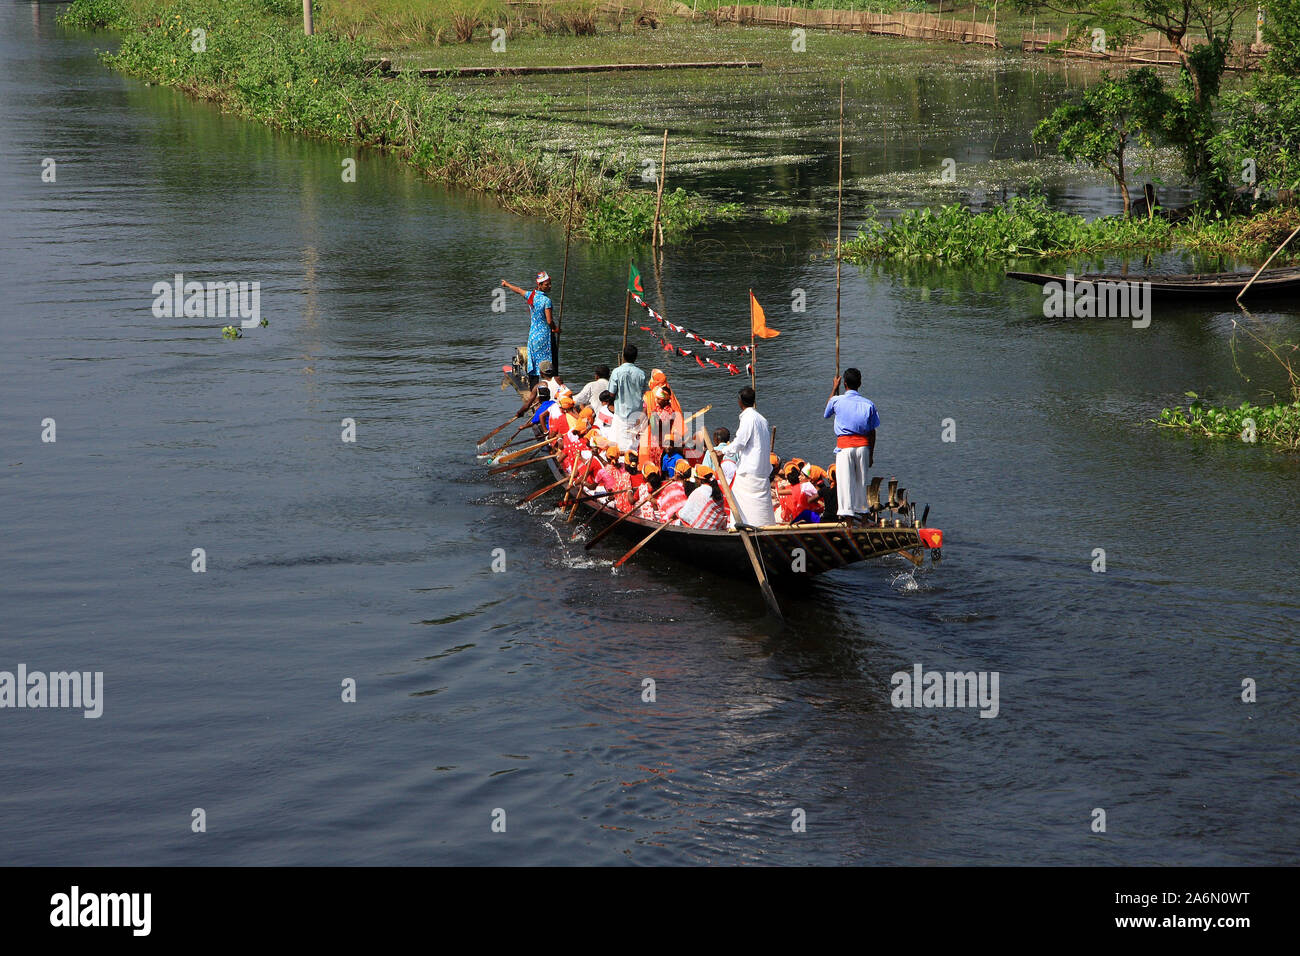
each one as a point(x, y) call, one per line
point(250, 57)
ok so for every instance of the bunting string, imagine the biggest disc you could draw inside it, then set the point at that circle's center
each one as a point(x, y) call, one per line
point(705, 361)
point(689, 333)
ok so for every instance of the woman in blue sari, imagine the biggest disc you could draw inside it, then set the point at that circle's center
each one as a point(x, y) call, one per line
point(541, 324)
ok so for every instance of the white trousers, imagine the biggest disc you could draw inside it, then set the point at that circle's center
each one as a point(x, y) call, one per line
point(630, 439)
point(851, 480)
point(754, 499)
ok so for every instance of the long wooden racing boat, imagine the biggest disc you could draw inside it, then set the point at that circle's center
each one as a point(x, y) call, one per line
point(1209, 285)
point(791, 554)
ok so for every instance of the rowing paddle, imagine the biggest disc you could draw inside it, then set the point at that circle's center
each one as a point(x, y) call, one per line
point(490, 454)
point(763, 584)
point(520, 464)
point(687, 421)
point(541, 491)
point(520, 452)
point(642, 543)
point(577, 497)
point(599, 497)
point(616, 522)
point(484, 439)
point(573, 473)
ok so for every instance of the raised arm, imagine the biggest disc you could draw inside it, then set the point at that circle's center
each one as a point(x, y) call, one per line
point(830, 402)
point(514, 288)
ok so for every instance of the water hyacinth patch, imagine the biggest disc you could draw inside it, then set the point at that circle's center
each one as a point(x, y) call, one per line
point(1270, 424)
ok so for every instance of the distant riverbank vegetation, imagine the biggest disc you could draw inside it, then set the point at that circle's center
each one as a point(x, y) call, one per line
point(1026, 228)
point(253, 60)
point(1241, 149)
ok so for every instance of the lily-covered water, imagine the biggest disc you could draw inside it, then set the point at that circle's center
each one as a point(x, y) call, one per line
point(328, 561)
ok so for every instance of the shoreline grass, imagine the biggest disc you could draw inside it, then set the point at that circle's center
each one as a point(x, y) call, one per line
point(254, 61)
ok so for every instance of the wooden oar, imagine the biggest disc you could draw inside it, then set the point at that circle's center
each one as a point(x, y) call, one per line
point(620, 519)
point(541, 491)
point(573, 473)
point(521, 464)
point(763, 584)
point(603, 495)
point(520, 452)
point(484, 439)
point(643, 542)
point(603, 498)
point(509, 441)
point(577, 498)
point(687, 421)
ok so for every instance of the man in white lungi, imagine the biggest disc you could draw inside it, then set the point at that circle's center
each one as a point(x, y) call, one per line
point(752, 448)
point(856, 421)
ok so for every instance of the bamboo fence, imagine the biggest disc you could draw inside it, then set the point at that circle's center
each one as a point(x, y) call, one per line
point(912, 26)
point(1151, 49)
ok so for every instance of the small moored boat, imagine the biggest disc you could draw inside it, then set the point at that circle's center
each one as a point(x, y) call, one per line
point(1208, 285)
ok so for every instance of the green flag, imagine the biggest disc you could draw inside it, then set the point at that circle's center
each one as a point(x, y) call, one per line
point(634, 281)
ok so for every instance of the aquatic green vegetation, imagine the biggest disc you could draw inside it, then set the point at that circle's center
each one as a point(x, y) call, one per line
point(1277, 424)
point(251, 58)
point(1025, 228)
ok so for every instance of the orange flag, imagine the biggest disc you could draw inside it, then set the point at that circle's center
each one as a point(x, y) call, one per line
point(758, 321)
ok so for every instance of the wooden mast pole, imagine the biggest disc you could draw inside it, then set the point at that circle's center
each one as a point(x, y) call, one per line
point(839, 227)
point(753, 349)
point(627, 306)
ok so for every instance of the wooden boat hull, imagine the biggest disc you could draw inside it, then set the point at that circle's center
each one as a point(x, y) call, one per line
point(1210, 285)
point(791, 554)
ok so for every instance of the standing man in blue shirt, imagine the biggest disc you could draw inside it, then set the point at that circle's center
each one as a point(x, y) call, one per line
point(856, 421)
point(628, 383)
point(542, 326)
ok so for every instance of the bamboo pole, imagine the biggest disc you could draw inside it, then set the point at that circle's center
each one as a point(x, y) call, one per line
point(564, 275)
point(839, 226)
point(769, 598)
point(656, 233)
point(307, 26)
point(627, 306)
point(753, 349)
point(1266, 262)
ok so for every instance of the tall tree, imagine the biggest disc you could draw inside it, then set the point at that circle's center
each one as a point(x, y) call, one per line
point(1100, 125)
point(1282, 30)
point(1173, 19)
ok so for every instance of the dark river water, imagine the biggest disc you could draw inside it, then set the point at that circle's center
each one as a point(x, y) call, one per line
point(522, 691)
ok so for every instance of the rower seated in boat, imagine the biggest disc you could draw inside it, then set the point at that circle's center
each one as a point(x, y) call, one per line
point(673, 497)
point(801, 500)
point(703, 508)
